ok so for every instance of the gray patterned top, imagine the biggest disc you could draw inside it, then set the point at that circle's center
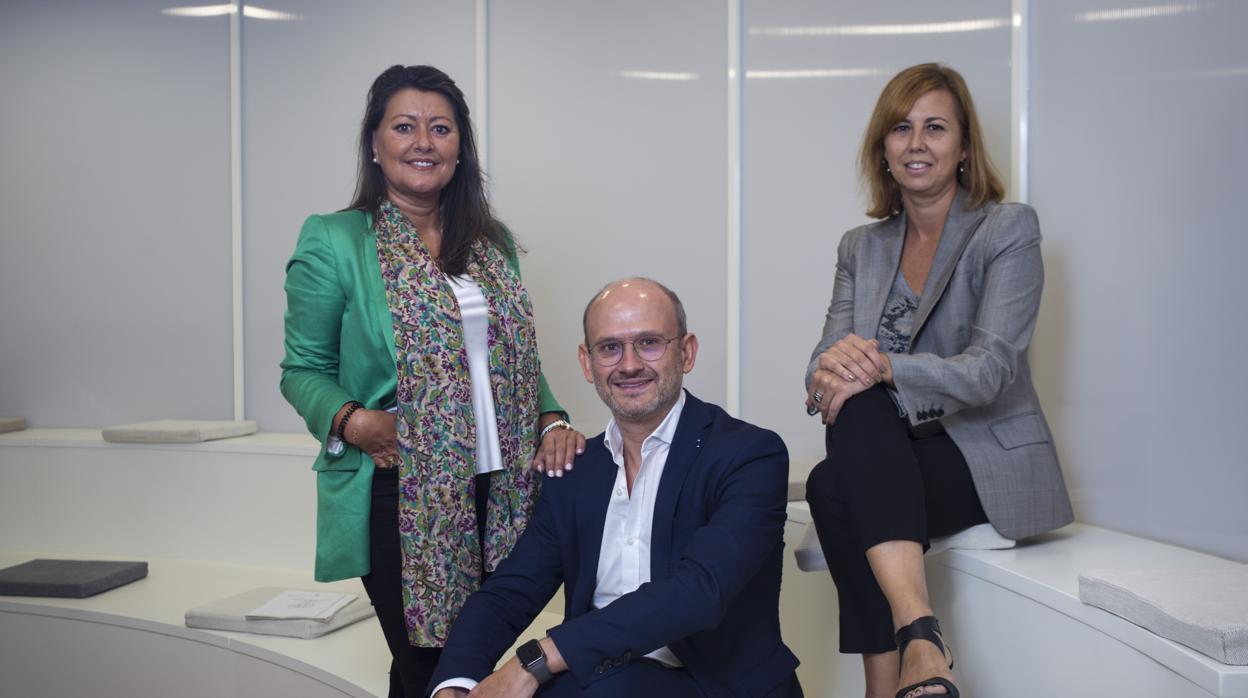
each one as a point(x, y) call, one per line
point(897, 322)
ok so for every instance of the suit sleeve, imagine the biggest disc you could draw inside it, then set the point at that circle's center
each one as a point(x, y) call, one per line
point(840, 318)
point(314, 306)
point(1013, 277)
point(510, 599)
point(723, 556)
point(546, 401)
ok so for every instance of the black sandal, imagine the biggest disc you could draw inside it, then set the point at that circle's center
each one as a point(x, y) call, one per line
point(925, 628)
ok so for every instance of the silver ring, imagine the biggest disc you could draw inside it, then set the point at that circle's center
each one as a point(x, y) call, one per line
point(818, 396)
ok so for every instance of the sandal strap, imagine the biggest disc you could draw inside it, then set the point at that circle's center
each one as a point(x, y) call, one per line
point(952, 691)
point(925, 628)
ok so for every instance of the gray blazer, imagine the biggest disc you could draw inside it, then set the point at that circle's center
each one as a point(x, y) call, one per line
point(967, 365)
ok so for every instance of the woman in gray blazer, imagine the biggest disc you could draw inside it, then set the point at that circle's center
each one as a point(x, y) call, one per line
point(922, 378)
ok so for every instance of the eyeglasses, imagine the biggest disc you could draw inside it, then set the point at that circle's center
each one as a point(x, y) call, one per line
point(609, 352)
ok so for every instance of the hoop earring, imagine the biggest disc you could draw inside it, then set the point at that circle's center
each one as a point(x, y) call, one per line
point(886, 168)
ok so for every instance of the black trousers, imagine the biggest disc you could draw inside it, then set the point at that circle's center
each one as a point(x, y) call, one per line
point(411, 667)
point(641, 677)
point(879, 483)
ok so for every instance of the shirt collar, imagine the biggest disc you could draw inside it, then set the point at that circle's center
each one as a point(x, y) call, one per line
point(665, 432)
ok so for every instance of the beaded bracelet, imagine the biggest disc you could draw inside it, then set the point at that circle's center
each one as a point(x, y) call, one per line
point(342, 423)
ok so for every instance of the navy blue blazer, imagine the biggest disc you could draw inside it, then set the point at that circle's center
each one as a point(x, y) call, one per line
point(715, 563)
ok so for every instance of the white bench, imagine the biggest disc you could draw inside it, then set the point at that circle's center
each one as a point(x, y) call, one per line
point(1018, 628)
point(131, 641)
point(238, 513)
point(212, 519)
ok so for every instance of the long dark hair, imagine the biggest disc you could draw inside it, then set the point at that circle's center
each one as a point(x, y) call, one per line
point(464, 211)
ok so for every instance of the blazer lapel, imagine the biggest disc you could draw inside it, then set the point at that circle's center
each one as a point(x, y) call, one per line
point(591, 514)
point(960, 227)
point(882, 257)
point(685, 449)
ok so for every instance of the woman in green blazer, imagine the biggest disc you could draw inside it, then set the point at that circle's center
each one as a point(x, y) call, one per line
point(411, 354)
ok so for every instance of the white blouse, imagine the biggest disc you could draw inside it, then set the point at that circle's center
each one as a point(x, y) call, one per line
point(475, 315)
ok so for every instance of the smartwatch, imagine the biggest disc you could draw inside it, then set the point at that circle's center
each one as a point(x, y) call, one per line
point(533, 659)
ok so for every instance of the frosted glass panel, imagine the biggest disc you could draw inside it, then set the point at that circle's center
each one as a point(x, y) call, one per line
point(114, 182)
point(813, 73)
point(607, 142)
point(304, 84)
point(1137, 135)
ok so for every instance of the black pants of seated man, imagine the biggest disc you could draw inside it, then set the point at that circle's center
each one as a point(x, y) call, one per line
point(411, 667)
point(646, 678)
point(880, 483)
point(643, 677)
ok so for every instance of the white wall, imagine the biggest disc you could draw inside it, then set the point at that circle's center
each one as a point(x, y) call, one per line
point(114, 188)
point(612, 130)
point(1137, 143)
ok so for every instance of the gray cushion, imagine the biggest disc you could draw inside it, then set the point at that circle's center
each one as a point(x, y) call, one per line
point(178, 431)
point(982, 537)
point(1205, 609)
point(231, 614)
point(75, 579)
point(8, 424)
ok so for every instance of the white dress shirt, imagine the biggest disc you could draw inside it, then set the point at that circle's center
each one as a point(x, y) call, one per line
point(624, 558)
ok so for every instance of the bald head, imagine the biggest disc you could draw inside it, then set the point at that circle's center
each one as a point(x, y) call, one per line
point(634, 290)
point(636, 351)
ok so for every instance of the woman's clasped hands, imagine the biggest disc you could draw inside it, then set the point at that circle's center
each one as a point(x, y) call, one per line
point(846, 368)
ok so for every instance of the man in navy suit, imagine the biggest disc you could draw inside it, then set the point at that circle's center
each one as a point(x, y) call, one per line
point(667, 537)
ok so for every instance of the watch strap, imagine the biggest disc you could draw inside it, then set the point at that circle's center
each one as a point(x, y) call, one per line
point(533, 660)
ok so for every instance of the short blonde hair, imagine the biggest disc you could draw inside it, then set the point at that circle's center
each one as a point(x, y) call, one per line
point(978, 177)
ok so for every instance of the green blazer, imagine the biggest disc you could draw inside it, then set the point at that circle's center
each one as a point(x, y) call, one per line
point(340, 347)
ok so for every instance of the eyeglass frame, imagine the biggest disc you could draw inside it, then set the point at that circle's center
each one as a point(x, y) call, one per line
point(667, 341)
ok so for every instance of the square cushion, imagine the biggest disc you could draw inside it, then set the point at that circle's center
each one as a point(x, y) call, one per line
point(76, 579)
point(8, 424)
point(982, 537)
point(231, 614)
point(1204, 609)
point(178, 431)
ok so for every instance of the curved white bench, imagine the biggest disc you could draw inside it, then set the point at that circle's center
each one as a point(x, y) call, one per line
point(212, 519)
point(131, 641)
point(1018, 628)
point(238, 513)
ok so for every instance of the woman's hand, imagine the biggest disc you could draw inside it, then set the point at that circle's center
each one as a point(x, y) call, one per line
point(856, 359)
point(558, 448)
point(374, 432)
point(828, 393)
